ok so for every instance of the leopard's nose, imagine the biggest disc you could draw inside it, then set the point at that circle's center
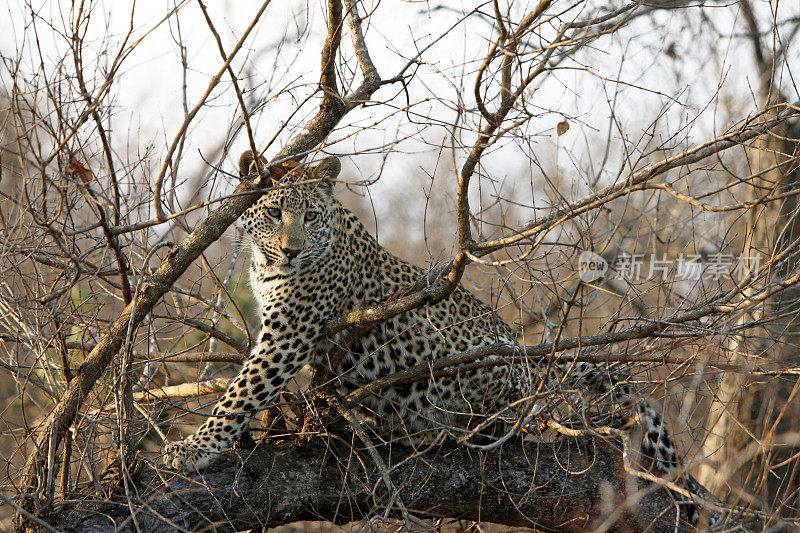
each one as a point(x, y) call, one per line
point(291, 253)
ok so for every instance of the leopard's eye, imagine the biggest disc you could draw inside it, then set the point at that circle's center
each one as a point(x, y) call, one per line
point(311, 216)
point(274, 212)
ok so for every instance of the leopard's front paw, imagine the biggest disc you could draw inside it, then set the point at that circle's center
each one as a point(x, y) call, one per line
point(187, 455)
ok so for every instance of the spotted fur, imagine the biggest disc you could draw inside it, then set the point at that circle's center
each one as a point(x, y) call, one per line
point(312, 261)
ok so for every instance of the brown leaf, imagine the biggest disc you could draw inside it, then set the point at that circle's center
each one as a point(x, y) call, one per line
point(76, 169)
point(284, 168)
point(562, 128)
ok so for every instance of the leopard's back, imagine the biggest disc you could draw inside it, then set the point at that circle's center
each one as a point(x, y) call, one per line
point(453, 326)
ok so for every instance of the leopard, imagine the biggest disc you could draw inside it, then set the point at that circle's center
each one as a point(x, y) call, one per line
point(312, 261)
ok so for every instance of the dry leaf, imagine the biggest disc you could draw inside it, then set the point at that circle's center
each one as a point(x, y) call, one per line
point(76, 169)
point(562, 127)
point(284, 168)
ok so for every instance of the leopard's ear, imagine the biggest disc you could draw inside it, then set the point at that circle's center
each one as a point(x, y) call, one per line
point(246, 164)
point(327, 172)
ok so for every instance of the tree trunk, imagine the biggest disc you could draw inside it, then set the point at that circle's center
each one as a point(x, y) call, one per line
point(574, 484)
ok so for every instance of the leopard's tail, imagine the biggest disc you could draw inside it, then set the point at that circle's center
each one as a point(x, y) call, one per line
point(657, 449)
point(657, 452)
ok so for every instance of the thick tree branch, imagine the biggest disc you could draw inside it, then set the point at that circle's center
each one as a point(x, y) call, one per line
point(575, 484)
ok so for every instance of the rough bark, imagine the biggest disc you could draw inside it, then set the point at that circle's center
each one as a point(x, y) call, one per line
point(574, 484)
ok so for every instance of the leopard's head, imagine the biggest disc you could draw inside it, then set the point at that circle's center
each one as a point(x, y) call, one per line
point(292, 225)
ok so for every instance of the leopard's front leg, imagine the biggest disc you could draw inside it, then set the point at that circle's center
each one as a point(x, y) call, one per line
point(277, 358)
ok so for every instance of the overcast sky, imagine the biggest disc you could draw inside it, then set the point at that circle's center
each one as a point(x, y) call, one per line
point(674, 66)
